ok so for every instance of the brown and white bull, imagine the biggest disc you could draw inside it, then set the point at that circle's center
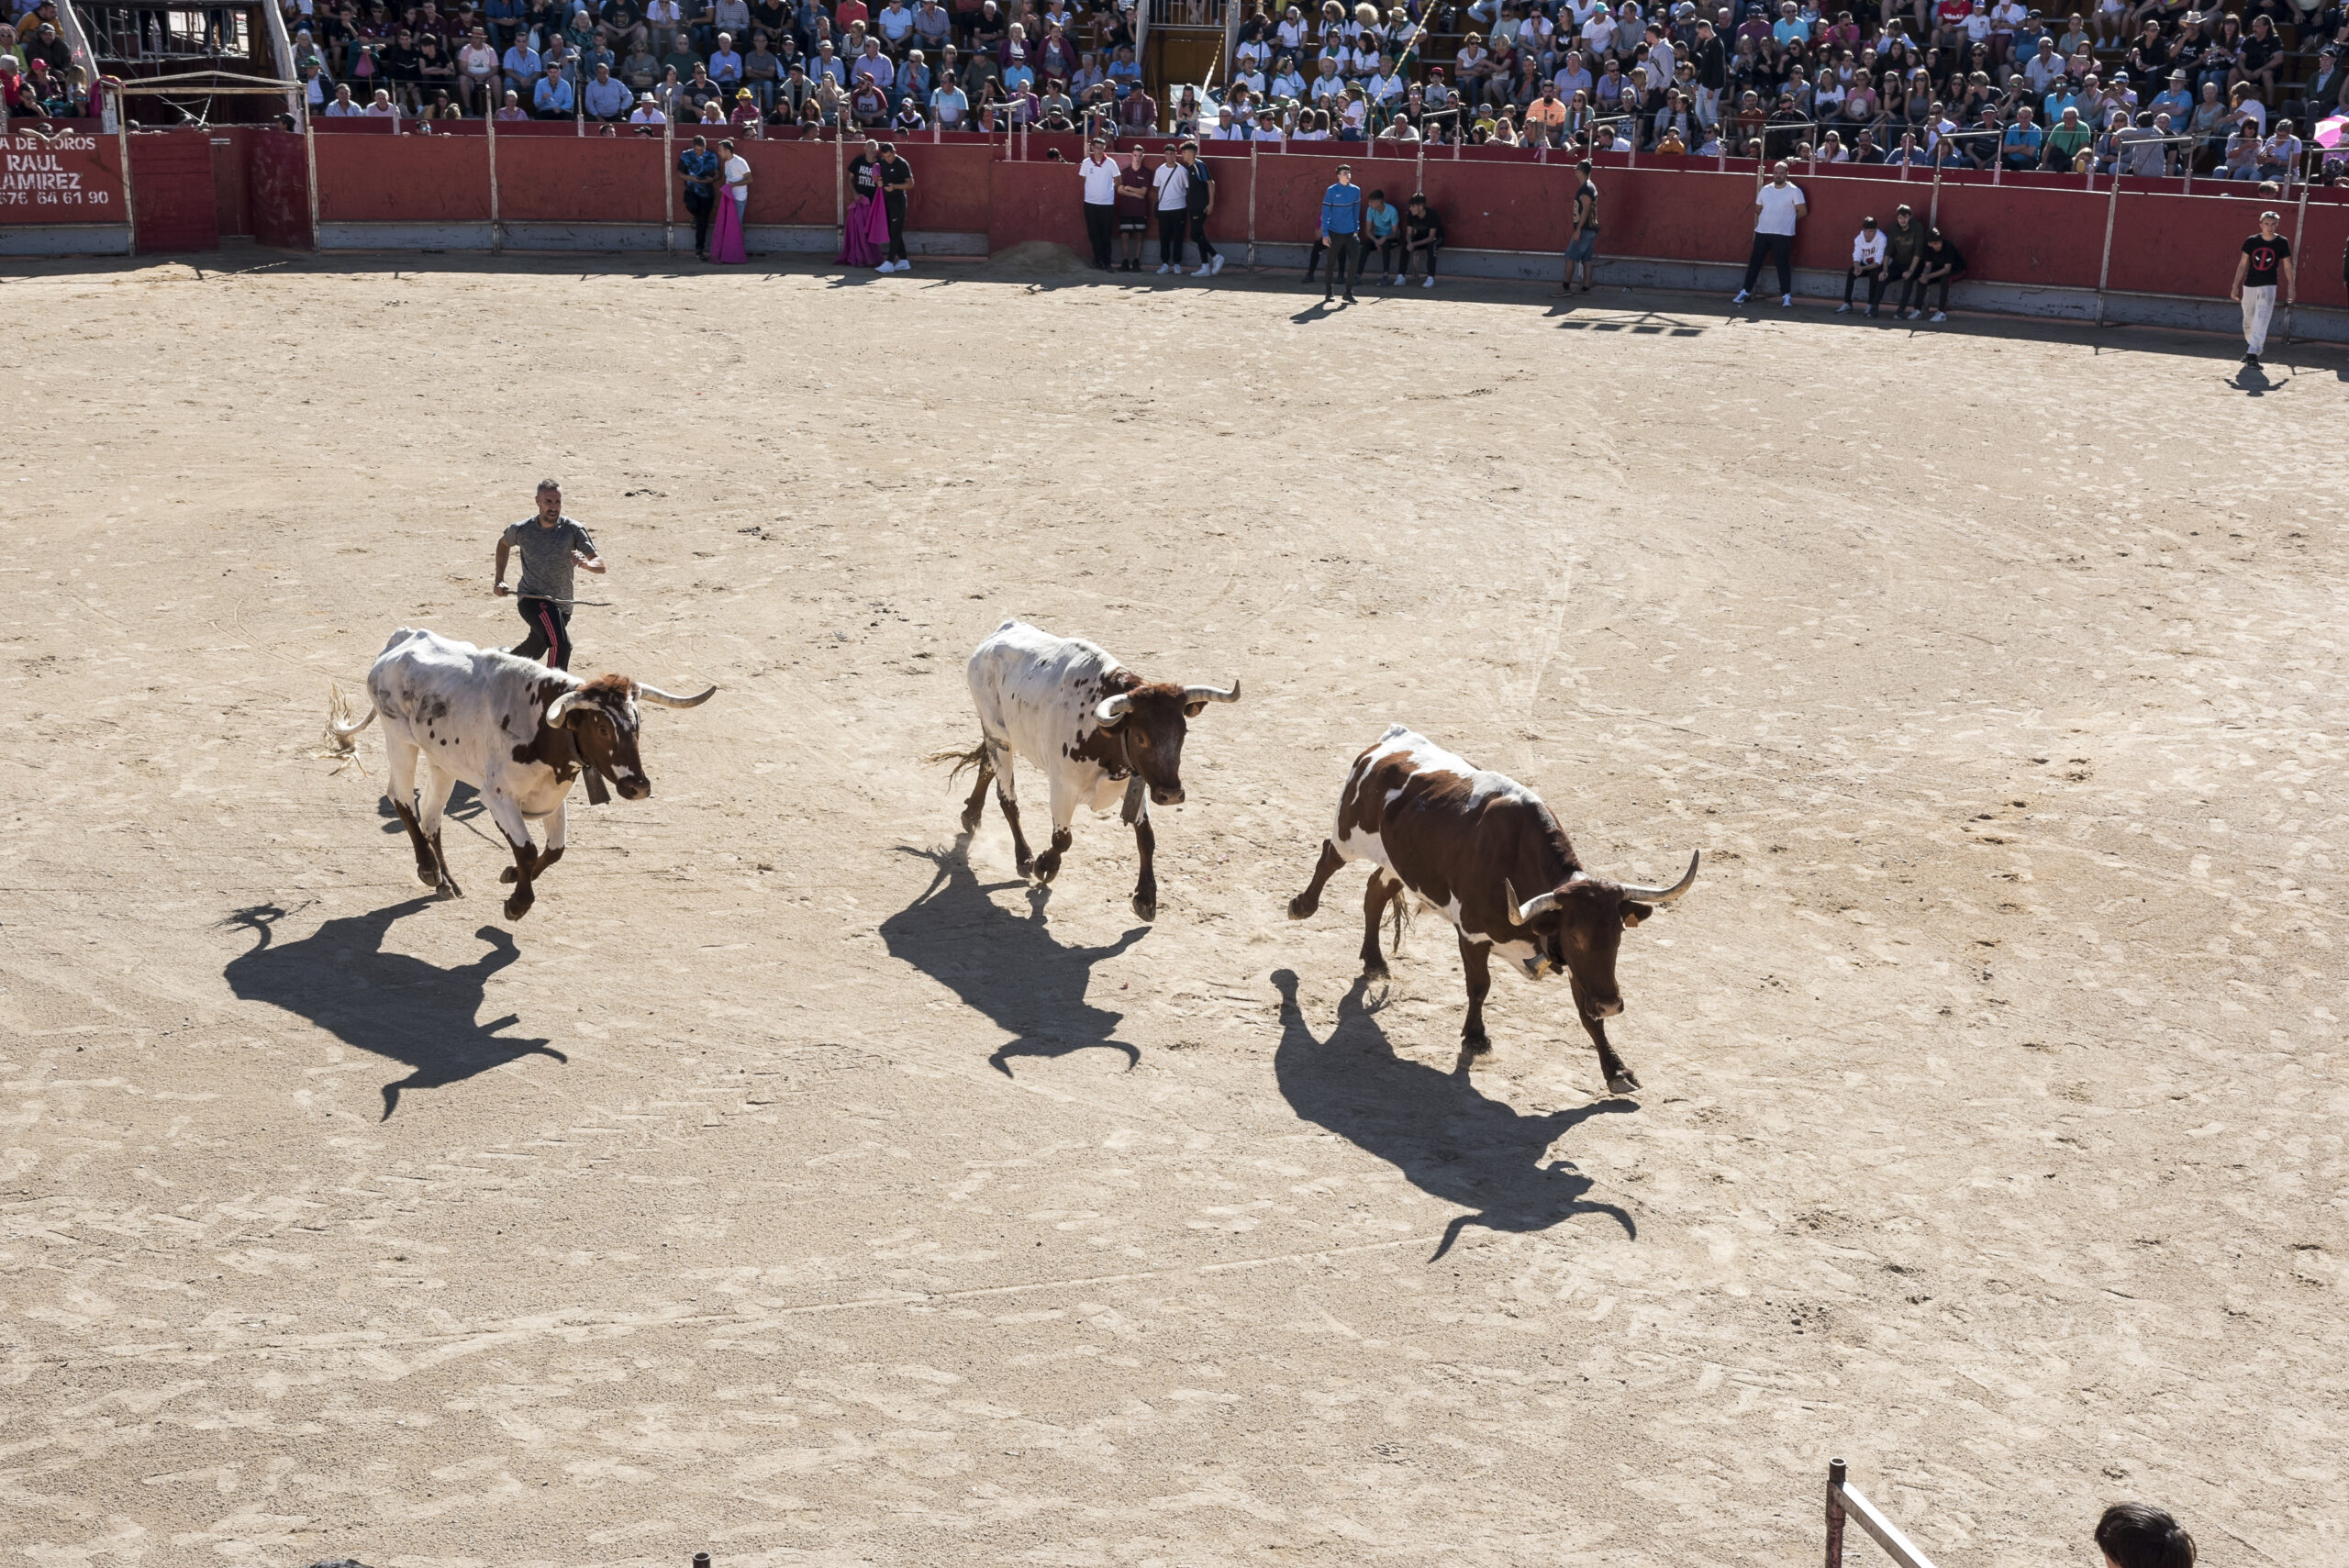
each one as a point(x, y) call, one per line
point(517, 731)
point(1472, 845)
point(1101, 734)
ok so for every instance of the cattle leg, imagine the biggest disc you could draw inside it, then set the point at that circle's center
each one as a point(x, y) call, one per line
point(1010, 803)
point(508, 816)
point(1475, 966)
point(1302, 906)
point(401, 761)
point(1146, 885)
point(552, 852)
point(1048, 865)
point(976, 806)
point(1619, 1077)
point(1374, 905)
point(430, 802)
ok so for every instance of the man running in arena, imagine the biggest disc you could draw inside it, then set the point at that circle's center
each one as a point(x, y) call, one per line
point(551, 545)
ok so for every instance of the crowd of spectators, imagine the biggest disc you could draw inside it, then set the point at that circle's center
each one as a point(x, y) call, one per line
point(38, 77)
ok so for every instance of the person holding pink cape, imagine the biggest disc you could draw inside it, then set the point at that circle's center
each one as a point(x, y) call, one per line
point(733, 197)
point(864, 235)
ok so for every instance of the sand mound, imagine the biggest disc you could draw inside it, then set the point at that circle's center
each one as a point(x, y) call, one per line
point(1036, 259)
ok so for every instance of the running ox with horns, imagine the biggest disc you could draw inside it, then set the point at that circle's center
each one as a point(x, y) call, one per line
point(1101, 733)
point(516, 730)
point(1481, 849)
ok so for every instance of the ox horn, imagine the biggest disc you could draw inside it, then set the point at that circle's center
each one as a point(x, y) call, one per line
point(1110, 711)
point(669, 699)
point(1665, 895)
point(560, 709)
point(1525, 913)
point(1208, 694)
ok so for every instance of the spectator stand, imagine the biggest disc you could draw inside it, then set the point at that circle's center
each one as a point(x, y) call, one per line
point(1845, 1503)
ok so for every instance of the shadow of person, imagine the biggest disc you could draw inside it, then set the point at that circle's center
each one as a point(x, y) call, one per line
point(1008, 968)
point(339, 978)
point(2255, 380)
point(1449, 1141)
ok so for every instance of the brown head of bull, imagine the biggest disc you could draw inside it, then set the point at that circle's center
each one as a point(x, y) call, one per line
point(1143, 726)
point(1576, 928)
point(600, 719)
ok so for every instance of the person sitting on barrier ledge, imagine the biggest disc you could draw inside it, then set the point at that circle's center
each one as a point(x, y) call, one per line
point(2138, 1535)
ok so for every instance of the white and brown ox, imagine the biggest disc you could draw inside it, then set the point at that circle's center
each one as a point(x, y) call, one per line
point(1101, 734)
point(517, 731)
point(1468, 843)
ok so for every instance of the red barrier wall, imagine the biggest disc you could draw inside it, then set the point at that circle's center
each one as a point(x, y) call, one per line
point(78, 180)
point(170, 181)
point(2041, 229)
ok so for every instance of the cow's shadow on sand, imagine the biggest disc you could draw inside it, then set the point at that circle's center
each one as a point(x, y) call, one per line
point(1448, 1139)
point(1010, 969)
point(340, 979)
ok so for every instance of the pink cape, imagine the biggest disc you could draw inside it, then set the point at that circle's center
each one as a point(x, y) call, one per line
point(726, 229)
point(864, 237)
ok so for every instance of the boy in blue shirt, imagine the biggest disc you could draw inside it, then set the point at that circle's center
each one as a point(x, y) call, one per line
point(1342, 232)
point(1380, 238)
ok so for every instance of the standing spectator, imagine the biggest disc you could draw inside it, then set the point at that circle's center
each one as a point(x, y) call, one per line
point(1133, 210)
point(2266, 261)
point(896, 189)
point(1423, 238)
point(1779, 206)
point(1097, 173)
point(1173, 184)
point(700, 168)
point(1342, 232)
point(2138, 1535)
point(1199, 200)
point(1938, 263)
point(1582, 242)
point(1868, 251)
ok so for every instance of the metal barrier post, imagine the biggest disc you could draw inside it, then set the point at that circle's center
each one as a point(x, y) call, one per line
point(2299, 226)
point(2104, 268)
point(668, 185)
point(130, 202)
point(1836, 1471)
point(1251, 203)
point(1933, 213)
point(496, 227)
point(839, 185)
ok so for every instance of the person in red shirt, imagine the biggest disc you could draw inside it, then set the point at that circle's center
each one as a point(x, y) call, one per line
point(849, 12)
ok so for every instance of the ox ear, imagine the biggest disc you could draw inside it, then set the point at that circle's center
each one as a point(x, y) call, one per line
point(1633, 913)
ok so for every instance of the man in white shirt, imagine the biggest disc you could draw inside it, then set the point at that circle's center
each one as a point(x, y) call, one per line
point(1778, 205)
point(1868, 249)
point(1173, 184)
point(948, 104)
point(1097, 172)
point(647, 112)
point(342, 107)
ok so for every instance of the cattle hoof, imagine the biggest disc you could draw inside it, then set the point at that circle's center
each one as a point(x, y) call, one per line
point(1024, 865)
point(1475, 1045)
point(507, 875)
point(1375, 970)
point(428, 873)
point(1301, 908)
point(970, 822)
point(447, 889)
point(517, 906)
point(1145, 909)
point(1047, 869)
point(1622, 1083)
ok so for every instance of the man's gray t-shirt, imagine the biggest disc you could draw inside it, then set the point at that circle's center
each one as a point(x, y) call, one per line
point(546, 556)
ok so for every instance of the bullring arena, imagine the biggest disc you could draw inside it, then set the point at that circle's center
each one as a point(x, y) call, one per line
point(795, 1184)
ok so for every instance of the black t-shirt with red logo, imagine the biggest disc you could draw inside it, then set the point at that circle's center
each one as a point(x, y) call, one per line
point(2267, 259)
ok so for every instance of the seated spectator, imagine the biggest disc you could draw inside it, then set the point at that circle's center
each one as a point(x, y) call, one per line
point(604, 98)
point(2065, 140)
point(726, 64)
point(381, 107)
point(2024, 144)
point(341, 108)
point(2280, 155)
point(553, 98)
point(2241, 158)
point(512, 108)
point(647, 112)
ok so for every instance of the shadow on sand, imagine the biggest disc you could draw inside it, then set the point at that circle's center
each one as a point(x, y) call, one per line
point(1008, 968)
point(1449, 1141)
point(339, 978)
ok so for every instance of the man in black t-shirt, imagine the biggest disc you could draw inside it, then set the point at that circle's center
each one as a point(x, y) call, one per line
point(2266, 261)
point(897, 186)
point(1423, 238)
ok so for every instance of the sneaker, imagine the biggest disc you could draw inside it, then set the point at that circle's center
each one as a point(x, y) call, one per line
point(1164, 269)
point(1871, 313)
point(1940, 316)
point(1428, 284)
point(1786, 302)
point(1398, 279)
point(2252, 360)
point(1742, 297)
point(1844, 309)
point(1912, 315)
point(1350, 300)
point(1204, 271)
point(1215, 266)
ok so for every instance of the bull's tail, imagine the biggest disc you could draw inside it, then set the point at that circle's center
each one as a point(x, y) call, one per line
point(1399, 916)
point(340, 726)
point(976, 757)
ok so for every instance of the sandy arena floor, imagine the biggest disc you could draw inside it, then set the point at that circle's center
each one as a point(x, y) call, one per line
point(793, 1184)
